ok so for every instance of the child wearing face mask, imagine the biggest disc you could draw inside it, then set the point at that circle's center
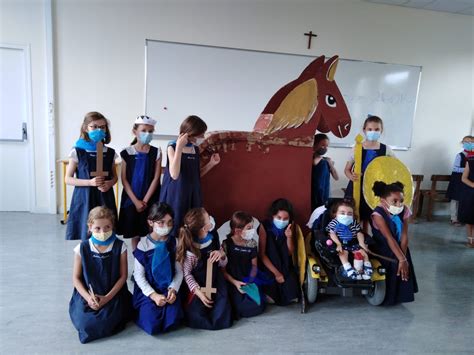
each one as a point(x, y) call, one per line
point(158, 275)
point(90, 191)
point(456, 187)
point(276, 249)
point(371, 149)
point(141, 173)
point(346, 233)
point(182, 179)
point(197, 245)
point(390, 231)
point(322, 168)
point(241, 250)
point(100, 305)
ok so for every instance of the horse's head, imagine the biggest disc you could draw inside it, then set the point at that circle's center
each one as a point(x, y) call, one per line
point(331, 113)
point(309, 103)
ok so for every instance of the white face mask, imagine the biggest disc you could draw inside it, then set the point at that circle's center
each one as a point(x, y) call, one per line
point(162, 231)
point(102, 236)
point(212, 223)
point(248, 234)
point(395, 210)
point(199, 141)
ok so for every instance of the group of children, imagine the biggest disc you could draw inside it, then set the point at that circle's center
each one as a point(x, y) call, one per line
point(174, 238)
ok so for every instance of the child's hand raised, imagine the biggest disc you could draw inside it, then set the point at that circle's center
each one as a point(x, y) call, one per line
point(288, 231)
point(182, 141)
point(206, 301)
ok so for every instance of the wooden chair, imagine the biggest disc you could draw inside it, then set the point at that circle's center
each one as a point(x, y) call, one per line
point(435, 194)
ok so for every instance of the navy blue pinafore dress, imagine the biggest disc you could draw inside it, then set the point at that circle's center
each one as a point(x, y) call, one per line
point(320, 184)
point(197, 314)
point(85, 198)
point(397, 290)
point(183, 193)
point(152, 318)
point(140, 173)
point(239, 266)
point(277, 251)
point(456, 186)
point(367, 156)
point(466, 202)
point(101, 271)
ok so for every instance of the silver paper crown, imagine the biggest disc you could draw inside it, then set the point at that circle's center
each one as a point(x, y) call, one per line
point(145, 120)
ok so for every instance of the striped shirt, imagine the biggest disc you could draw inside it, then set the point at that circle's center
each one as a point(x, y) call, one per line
point(354, 227)
point(189, 264)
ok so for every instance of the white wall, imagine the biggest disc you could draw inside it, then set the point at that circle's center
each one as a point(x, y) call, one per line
point(100, 58)
point(23, 22)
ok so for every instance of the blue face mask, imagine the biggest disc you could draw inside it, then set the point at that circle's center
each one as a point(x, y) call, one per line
point(280, 224)
point(145, 137)
point(96, 135)
point(344, 219)
point(372, 136)
point(468, 146)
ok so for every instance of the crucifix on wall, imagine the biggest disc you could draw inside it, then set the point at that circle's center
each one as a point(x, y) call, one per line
point(310, 35)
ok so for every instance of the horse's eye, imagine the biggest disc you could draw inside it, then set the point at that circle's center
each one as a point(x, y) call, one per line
point(330, 101)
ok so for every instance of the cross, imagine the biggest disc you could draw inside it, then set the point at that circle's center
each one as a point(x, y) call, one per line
point(310, 35)
point(208, 290)
point(100, 161)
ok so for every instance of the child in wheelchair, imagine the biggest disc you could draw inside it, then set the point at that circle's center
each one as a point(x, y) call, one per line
point(346, 236)
point(338, 240)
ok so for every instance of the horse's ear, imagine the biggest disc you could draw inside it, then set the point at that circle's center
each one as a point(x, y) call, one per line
point(331, 66)
point(314, 67)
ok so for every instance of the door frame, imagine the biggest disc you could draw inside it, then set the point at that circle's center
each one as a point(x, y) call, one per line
point(29, 121)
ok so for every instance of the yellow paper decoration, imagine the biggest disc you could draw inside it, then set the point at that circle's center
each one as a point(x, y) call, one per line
point(388, 170)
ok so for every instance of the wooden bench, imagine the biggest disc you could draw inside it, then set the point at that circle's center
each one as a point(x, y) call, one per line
point(435, 194)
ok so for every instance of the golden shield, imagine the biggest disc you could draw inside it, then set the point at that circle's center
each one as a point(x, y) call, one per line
point(388, 170)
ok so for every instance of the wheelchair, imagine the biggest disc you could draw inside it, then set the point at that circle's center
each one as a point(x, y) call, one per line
point(319, 267)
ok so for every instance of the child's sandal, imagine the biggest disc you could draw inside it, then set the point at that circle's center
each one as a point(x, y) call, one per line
point(350, 273)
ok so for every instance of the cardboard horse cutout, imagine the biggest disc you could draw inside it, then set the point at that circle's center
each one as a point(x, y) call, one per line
point(275, 159)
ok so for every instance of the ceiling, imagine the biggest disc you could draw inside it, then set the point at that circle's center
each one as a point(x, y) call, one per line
point(465, 7)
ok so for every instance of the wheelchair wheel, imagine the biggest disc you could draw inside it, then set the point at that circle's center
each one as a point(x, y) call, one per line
point(310, 286)
point(377, 295)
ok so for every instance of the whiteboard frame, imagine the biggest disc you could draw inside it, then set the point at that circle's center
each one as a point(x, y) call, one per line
point(29, 121)
point(335, 145)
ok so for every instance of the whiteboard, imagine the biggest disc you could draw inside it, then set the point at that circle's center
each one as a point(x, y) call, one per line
point(13, 93)
point(229, 88)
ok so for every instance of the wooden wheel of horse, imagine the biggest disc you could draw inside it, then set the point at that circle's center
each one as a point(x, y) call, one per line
point(275, 159)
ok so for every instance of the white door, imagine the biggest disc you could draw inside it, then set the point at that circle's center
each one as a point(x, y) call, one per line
point(15, 115)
